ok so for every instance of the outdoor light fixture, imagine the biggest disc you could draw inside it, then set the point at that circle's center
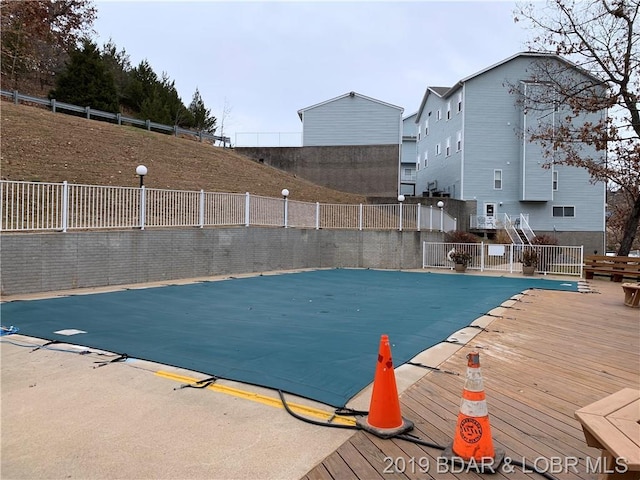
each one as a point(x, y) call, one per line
point(440, 204)
point(401, 198)
point(285, 194)
point(141, 171)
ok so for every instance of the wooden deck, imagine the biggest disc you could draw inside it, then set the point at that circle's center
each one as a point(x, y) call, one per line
point(549, 355)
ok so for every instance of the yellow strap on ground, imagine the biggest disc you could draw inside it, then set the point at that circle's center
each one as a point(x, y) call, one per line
point(265, 400)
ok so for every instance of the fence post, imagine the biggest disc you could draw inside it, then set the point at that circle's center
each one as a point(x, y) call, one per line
point(175, 130)
point(200, 135)
point(15, 97)
point(360, 218)
point(201, 211)
point(246, 209)
point(418, 217)
point(53, 105)
point(142, 206)
point(148, 124)
point(317, 215)
point(400, 222)
point(119, 118)
point(482, 256)
point(65, 206)
point(87, 110)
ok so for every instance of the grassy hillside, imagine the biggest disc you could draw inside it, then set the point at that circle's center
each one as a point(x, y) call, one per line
point(38, 145)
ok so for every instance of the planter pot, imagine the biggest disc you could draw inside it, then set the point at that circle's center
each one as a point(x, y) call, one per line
point(528, 269)
point(461, 267)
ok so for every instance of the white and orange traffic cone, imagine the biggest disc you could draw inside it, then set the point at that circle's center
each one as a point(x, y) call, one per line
point(472, 443)
point(385, 419)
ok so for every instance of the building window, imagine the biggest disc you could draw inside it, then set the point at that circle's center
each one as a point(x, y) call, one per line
point(417, 162)
point(459, 141)
point(419, 128)
point(459, 102)
point(439, 114)
point(555, 181)
point(449, 110)
point(497, 179)
point(426, 159)
point(564, 211)
point(426, 128)
point(438, 151)
point(448, 147)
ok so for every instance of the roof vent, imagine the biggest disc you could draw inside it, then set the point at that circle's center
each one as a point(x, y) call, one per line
point(352, 94)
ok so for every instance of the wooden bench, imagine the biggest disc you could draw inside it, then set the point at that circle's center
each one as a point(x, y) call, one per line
point(612, 425)
point(631, 294)
point(616, 268)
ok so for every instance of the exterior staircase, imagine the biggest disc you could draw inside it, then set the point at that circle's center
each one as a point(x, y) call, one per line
point(519, 230)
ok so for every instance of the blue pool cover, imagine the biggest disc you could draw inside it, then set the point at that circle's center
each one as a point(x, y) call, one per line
point(314, 334)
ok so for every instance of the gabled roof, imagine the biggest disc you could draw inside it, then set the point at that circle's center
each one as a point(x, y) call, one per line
point(349, 94)
point(445, 92)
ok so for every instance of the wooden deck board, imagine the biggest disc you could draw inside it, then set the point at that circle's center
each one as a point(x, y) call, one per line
point(549, 355)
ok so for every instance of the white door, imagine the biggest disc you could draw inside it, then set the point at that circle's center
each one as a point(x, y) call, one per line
point(490, 215)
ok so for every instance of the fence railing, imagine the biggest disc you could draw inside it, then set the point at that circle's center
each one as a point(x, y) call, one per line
point(268, 139)
point(36, 206)
point(552, 259)
point(114, 117)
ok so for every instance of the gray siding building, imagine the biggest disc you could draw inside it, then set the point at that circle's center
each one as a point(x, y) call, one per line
point(471, 147)
point(408, 156)
point(351, 119)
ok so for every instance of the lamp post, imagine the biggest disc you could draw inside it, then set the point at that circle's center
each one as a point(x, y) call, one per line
point(285, 196)
point(400, 199)
point(141, 171)
point(440, 205)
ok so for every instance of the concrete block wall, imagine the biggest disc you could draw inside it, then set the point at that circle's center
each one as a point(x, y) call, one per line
point(40, 262)
point(370, 170)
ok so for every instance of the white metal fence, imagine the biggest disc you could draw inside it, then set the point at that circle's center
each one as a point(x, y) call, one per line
point(552, 259)
point(29, 206)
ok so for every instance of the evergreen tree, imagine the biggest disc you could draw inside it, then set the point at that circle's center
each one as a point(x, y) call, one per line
point(141, 86)
point(202, 119)
point(86, 81)
point(119, 64)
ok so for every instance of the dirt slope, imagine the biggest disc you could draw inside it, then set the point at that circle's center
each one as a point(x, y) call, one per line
point(38, 145)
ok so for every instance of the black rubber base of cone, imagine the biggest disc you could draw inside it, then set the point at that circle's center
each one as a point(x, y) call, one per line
point(480, 466)
point(385, 432)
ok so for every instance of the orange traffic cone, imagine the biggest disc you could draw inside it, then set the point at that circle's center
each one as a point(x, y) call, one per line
point(384, 419)
point(472, 444)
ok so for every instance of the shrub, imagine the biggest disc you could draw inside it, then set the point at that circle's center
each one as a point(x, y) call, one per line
point(544, 240)
point(459, 236)
point(502, 237)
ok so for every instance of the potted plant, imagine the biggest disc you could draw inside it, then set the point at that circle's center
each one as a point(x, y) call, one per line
point(461, 260)
point(529, 259)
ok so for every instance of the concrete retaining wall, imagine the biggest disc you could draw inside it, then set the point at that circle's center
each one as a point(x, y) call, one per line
point(363, 169)
point(39, 262)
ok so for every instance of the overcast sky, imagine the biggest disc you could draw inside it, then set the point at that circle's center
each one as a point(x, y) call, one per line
point(267, 60)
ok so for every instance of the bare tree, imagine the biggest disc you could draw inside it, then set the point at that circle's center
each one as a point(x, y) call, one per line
point(601, 39)
point(225, 117)
point(37, 36)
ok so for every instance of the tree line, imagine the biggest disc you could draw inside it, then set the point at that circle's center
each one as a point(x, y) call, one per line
point(47, 49)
